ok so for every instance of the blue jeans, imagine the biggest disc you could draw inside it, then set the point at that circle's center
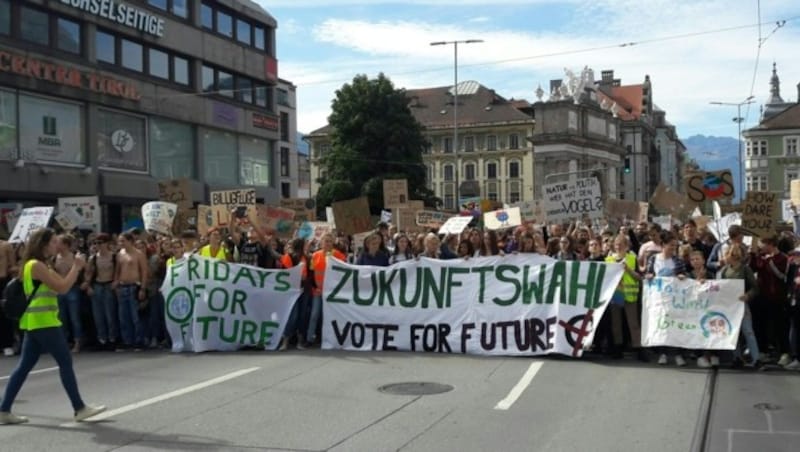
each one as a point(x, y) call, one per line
point(50, 340)
point(749, 336)
point(157, 324)
point(104, 311)
point(292, 324)
point(129, 324)
point(69, 308)
point(313, 321)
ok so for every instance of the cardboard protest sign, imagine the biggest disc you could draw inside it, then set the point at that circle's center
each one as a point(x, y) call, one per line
point(211, 217)
point(234, 198)
point(225, 306)
point(406, 220)
point(352, 216)
point(761, 209)
point(395, 192)
point(455, 225)
point(30, 220)
point(671, 202)
point(486, 311)
point(158, 216)
point(185, 219)
point(692, 315)
point(68, 219)
point(532, 211)
point(276, 220)
point(794, 192)
point(304, 208)
point(503, 218)
point(431, 218)
point(709, 185)
point(570, 201)
point(176, 191)
point(626, 210)
point(87, 207)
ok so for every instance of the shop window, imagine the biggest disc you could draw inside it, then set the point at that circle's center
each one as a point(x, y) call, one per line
point(51, 131)
point(121, 141)
point(255, 159)
point(221, 162)
point(171, 149)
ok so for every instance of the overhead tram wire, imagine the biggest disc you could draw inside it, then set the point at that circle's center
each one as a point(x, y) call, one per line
point(761, 40)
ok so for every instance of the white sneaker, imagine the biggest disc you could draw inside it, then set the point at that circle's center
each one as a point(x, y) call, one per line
point(703, 363)
point(88, 411)
point(284, 344)
point(662, 360)
point(680, 361)
point(715, 361)
point(794, 365)
point(9, 418)
point(8, 351)
point(785, 359)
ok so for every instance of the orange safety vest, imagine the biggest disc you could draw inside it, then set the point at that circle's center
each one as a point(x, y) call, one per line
point(318, 262)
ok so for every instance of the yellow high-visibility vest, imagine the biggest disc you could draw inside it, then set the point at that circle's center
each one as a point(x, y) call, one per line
point(42, 311)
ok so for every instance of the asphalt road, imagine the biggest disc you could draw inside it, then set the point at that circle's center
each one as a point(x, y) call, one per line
point(319, 400)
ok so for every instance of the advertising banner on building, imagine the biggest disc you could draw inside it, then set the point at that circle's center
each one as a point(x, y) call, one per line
point(511, 305)
point(30, 220)
point(692, 315)
point(121, 141)
point(216, 305)
point(87, 207)
point(50, 131)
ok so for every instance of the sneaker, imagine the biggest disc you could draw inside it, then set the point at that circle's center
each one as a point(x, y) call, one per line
point(703, 363)
point(11, 418)
point(715, 361)
point(662, 360)
point(785, 359)
point(88, 411)
point(153, 343)
point(680, 361)
point(284, 344)
point(8, 351)
point(301, 345)
point(794, 365)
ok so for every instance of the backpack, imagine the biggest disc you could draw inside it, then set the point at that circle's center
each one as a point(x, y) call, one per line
point(15, 303)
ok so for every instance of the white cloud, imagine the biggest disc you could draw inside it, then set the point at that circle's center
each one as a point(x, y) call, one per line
point(480, 19)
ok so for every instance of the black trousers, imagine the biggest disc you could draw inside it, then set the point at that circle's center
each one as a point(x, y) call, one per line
point(7, 326)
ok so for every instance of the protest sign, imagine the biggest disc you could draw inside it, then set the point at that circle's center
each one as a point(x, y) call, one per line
point(211, 217)
point(176, 191)
point(29, 220)
point(395, 192)
point(232, 199)
point(531, 211)
point(510, 305)
point(692, 315)
point(431, 218)
point(9, 213)
point(455, 225)
point(626, 210)
point(158, 216)
point(352, 216)
point(406, 220)
point(87, 207)
point(709, 185)
point(760, 211)
point(303, 208)
point(665, 221)
point(575, 200)
point(313, 230)
point(794, 192)
point(670, 202)
point(185, 219)
point(216, 305)
point(68, 219)
point(787, 214)
point(386, 216)
point(276, 220)
point(503, 218)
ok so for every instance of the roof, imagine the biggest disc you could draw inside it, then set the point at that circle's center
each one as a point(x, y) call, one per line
point(787, 119)
point(623, 108)
point(631, 97)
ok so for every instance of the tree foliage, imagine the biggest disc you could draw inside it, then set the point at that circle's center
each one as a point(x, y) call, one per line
point(374, 137)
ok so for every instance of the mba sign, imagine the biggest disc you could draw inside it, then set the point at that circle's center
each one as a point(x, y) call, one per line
point(122, 13)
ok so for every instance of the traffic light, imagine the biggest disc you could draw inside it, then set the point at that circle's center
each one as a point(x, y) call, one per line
point(627, 165)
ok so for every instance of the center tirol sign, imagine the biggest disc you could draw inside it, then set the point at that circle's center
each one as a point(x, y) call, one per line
point(121, 13)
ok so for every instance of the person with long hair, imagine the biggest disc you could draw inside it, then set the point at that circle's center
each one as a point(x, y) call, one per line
point(402, 249)
point(296, 255)
point(42, 325)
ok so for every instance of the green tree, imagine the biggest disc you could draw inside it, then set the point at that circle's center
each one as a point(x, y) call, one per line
point(374, 137)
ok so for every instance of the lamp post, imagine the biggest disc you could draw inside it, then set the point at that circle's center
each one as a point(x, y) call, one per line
point(738, 120)
point(455, 105)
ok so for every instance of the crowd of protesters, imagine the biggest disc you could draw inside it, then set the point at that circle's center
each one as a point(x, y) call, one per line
point(115, 303)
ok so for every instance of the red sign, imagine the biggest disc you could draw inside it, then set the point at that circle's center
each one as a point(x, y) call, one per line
point(271, 69)
point(65, 75)
point(265, 122)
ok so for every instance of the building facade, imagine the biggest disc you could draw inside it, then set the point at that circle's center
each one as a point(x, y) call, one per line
point(107, 98)
point(493, 158)
point(286, 100)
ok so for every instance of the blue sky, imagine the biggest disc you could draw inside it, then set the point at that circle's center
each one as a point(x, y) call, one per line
point(323, 44)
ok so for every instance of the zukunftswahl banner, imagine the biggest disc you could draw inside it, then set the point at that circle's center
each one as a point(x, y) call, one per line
point(690, 314)
point(216, 305)
point(510, 305)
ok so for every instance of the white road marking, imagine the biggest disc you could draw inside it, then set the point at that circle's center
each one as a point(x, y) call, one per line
point(166, 396)
point(520, 387)
point(34, 372)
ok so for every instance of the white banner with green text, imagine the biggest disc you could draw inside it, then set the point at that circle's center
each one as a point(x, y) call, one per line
point(692, 315)
point(501, 305)
point(216, 305)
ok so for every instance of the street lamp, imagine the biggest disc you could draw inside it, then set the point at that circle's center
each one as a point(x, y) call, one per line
point(455, 105)
point(738, 120)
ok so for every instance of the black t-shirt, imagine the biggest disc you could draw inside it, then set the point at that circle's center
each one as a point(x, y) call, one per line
point(256, 254)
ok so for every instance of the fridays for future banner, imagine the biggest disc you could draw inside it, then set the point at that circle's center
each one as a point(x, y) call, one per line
point(215, 305)
point(512, 305)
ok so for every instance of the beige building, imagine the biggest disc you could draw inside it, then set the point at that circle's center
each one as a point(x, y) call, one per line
point(494, 156)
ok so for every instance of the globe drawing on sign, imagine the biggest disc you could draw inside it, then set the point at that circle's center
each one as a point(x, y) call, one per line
point(180, 305)
point(122, 141)
point(712, 186)
point(715, 323)
point(306, 231)
point(502, 216)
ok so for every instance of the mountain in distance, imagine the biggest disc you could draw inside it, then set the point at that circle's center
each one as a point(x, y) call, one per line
point(302, 146)
point(715, 153)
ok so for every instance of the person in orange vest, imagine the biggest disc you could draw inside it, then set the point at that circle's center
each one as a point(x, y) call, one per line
point(296, 255)
point(318, 262)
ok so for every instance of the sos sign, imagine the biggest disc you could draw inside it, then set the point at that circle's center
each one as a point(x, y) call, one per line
point(711, 185)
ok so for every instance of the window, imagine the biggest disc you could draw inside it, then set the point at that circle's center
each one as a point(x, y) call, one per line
point(160, 4)
point(323, 149)
point(69, 36)
point(448, 172)
point(244, 90)
point(51, 131)
point(5, 17)
point(34, 26)
point(158, 64)
point(469, 171)
point(180, 8)
point(208, 79)
point(171, 149)
point(469, 144)
point(491, 191)
point(789, 176)
point(491, 170)
point(104, 47)
point(224, 24)
point(259, 38)
point(756, 183)
point(790, 145)
point(255, 166)
point(284, 162)
point(221, 159)
point(282, 97)
point(449, 203)
point(207, 16)
point(121, 141)
point(513, 192)
point(756, 148)
point(262, 96)
point(513, 141)
point(513, 169)
point(132, 55)
point(225, 84)
point(180, 70)
point(448, 145)
point(491, 143)
point(285, 125)
point(286, 189)
point(243, 33)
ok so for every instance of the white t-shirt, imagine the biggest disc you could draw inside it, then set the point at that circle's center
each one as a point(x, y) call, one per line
point(663, 267)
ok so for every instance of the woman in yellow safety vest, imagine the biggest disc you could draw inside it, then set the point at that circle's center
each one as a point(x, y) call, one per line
point(42, 326)
point(214, 249)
